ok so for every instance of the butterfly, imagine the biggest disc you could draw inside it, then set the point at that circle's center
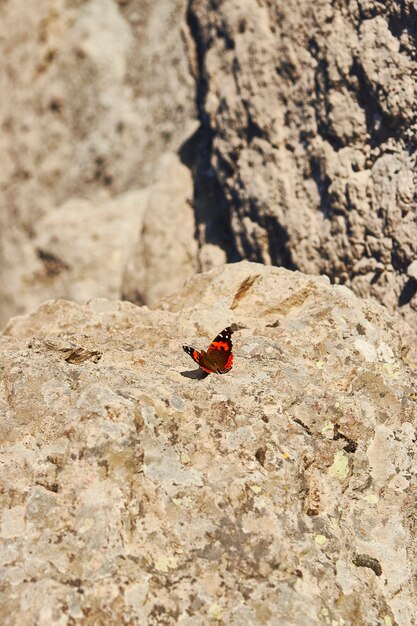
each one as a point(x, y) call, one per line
point(218, 359)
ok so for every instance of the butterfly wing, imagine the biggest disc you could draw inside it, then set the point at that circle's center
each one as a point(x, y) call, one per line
point(220, 351)
point(197, 357)
point(194, 354)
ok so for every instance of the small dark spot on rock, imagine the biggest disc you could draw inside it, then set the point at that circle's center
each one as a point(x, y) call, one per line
point(74, 582)
point(351, 446)
point(363, 560)
point(135, 297)
point(312, 512)
point(105, 464)
point(242, 26)
point(274, 324)
point(260, 455)
point(79, 355)
point(360, 329)
point(53, 264)
point(300, 423)
point(55, 105)
point(50, 55)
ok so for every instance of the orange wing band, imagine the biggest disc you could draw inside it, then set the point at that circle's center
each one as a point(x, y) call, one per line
point(220, 345)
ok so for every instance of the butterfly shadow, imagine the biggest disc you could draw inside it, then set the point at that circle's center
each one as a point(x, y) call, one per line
point(197, 374)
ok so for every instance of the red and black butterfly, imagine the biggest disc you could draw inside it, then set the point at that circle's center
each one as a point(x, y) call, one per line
point(219, 358)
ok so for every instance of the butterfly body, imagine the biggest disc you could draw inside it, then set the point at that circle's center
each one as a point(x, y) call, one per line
point(218, 358)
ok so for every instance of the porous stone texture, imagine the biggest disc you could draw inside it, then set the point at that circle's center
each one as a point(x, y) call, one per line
point(93, 93)
point(280, 493)
point(309, 123)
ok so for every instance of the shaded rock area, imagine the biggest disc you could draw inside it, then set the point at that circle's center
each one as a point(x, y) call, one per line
point(92, 94)
point(308, 115)
point(280, 493)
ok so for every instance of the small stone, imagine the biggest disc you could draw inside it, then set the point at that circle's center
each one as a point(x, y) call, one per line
point(328, 430)
point(412, 270)
point(12, 522)
point(165, 563)
point(320, 539)
point(215, 612)
point(371, 498)
point(340, 467)
point(177, 403)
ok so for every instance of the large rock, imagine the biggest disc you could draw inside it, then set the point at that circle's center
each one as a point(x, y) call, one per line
point(280, 493)
point(93, 92)
point(308, 114)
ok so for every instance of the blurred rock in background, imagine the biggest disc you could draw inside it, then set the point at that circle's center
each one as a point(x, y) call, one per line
point(295, 120)
point(166, 250)
point(92, 94)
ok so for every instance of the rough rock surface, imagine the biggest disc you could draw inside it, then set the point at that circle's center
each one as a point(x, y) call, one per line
point(93, 92)
point(309, 125)
point(280, 493)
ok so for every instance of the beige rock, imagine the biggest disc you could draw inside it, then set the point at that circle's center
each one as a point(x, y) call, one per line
point(84, 247)
point(281, 492)
point(412, 270)
point(309, 126)
point(94, 93)
point(165, 253)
